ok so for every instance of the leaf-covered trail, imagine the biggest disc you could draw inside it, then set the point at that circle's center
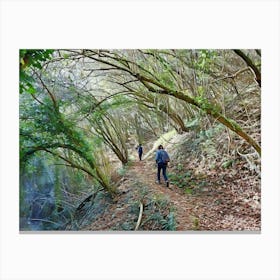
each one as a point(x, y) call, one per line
point(226, 203)
point(223, 205)
point(145, 172)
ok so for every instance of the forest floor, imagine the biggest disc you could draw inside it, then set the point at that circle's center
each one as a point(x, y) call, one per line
point(145, 172)
point(217, 201)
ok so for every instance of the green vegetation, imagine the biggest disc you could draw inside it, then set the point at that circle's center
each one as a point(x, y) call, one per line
point(159, 214)
point(196, 224)
point(83, 112)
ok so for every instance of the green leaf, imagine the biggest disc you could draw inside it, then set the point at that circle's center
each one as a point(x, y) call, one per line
point(188, 191)
point(31, 89)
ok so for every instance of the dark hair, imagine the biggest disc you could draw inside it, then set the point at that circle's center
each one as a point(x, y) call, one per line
point(160, 147)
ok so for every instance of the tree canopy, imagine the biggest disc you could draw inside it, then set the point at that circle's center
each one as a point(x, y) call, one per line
point(84, 110)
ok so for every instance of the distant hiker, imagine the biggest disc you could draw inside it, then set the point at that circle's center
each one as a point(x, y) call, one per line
point(162, 159)
point(140, 151)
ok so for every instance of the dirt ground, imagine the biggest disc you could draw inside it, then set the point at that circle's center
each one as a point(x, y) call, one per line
point(224, 205)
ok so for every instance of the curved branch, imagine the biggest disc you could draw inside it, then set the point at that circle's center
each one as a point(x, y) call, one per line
point(250, 63)
point(258, 51)
point(71, 164)
point(208, 109)
point(157, 87)
point(47, 89)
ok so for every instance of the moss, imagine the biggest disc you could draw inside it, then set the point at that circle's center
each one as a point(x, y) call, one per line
point(235, 126)
point(206, 106)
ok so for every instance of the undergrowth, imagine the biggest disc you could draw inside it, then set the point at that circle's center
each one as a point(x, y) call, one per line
point(186, 180)
point(158, 214)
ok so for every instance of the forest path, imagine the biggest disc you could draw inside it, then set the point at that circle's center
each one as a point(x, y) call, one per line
point(225, 203)
point(145, 172)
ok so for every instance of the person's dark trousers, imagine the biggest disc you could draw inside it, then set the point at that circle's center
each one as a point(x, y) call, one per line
point(140, 156)
point(162, 166)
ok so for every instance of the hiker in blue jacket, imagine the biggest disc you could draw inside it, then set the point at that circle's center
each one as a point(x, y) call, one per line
point(162, 159)
point(140, 151)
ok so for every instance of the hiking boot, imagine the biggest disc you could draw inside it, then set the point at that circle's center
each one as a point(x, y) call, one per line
point(167, 184)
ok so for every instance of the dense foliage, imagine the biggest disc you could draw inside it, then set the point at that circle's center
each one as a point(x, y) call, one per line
point(82, 112)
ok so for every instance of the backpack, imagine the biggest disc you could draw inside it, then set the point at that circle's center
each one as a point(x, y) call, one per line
point(164, 156)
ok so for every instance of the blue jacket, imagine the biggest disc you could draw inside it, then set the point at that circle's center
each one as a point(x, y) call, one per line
point(162, 156)
point(140, 150)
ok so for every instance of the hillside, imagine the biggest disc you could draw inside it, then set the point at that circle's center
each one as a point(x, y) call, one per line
point(215, 199)
point(83, 112)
